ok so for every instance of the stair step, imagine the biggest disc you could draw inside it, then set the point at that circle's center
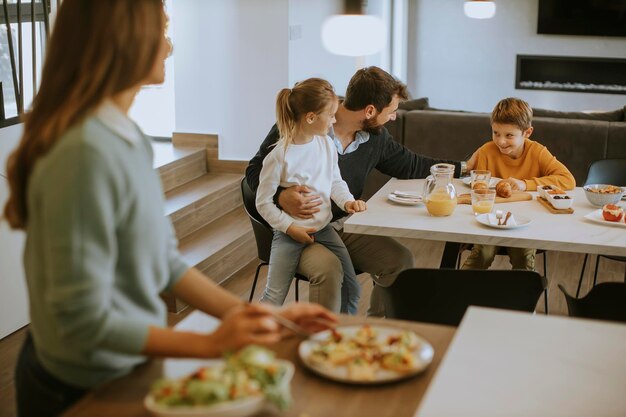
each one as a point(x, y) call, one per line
point(220, 241)
point(178, 166)
point(202, 201)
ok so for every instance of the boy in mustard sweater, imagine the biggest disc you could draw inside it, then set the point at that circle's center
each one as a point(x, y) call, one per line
point(522, 163)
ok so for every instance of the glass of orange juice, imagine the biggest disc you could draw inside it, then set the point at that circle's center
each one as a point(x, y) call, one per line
point(483, 200)
point(480, 178)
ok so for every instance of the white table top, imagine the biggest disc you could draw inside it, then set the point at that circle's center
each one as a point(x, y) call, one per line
point(505, 363)
point(560, 232)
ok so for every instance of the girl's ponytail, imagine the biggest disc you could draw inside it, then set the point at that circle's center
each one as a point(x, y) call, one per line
point(285, 117)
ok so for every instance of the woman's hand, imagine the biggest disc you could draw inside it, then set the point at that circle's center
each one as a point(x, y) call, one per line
point(312, 317)
point(355, 206)
point(243, 325)
point(297, 201)
point(301, 234)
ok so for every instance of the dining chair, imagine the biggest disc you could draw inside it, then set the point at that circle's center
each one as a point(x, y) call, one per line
point(263, 235)
point(604, 171)
point(605, 301)
point(502, 252)
point(441, 296)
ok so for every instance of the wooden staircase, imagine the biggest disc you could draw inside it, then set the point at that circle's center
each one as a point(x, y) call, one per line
point(203, 201)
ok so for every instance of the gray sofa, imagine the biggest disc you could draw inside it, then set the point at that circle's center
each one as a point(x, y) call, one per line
point(575, 138)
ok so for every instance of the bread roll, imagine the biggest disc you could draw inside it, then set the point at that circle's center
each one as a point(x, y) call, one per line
point(504, 189)
point(480, 185)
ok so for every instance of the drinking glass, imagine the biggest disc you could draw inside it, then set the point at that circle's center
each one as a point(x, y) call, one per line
point(483, 201)
point(480, 177)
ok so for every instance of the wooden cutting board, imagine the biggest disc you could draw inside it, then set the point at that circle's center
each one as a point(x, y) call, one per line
point(551, 208)
point(516, 196)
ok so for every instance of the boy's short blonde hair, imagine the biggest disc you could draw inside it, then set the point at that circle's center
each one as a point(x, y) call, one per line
point(513, 111)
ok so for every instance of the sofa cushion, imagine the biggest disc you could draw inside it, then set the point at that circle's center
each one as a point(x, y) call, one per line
point(616, 146)
point(447, 135)
point(417, 104)
point(576, 143)
point(608, 116)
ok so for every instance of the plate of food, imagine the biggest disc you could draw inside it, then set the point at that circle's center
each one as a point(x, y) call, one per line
point(492, 182)
point(514, 221)
point(366, 354)
point(407, 198)
point(240, 385)
point(609, 215)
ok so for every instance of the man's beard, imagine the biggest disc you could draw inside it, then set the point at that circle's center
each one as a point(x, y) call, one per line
point(371, 126)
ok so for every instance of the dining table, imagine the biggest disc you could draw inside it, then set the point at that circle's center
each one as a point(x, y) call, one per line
point(546, 230)
point(313, 395)
point(517, 364)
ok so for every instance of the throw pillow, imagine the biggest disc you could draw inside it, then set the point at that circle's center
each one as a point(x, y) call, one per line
point(609, 116)
point(417, 104)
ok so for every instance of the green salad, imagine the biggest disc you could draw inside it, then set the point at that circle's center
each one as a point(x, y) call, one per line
point(252, 371)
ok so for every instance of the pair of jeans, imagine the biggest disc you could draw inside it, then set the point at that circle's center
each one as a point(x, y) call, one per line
point(38, 393)
point(284, 260)
point(482, 256)
point(380, 256)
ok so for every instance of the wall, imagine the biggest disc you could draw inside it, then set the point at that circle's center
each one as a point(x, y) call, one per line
point(307, 56)
point(154, 109)
point(469, 64)
point(231, 57)
point(13, 296)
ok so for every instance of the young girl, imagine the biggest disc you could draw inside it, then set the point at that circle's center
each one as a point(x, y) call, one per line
point(305, 155)
point(98, 248)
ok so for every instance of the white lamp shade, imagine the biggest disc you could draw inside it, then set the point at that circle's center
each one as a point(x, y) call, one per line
point(479, 9)
point(354, 35)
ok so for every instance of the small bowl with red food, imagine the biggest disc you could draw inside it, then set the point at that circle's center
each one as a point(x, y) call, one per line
point(612, 213)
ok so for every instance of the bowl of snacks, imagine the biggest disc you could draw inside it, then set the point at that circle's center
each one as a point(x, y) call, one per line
point(560, 201)
point(543, 190)
point(239, 386)
point(602, 194)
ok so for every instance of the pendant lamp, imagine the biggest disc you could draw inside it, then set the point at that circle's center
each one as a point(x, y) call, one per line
point(353, 33)
point(479, 9)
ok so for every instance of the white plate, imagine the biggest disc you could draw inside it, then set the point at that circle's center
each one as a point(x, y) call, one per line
point(492, 182)
point(412, 201)
point(520, 221)
point(423, 356)
point(239, 408)
point(596, 216)
point(624, 195)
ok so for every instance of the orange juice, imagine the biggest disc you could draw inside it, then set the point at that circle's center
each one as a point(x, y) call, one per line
point(481, 207)
point(440, 203)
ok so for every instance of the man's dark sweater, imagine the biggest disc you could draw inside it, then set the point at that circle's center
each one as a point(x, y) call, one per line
point(380, 152)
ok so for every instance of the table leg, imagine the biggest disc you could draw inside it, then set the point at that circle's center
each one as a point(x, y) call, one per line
point(450, 253)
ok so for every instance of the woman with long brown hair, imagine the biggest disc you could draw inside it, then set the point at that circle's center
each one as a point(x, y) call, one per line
point(99, 250)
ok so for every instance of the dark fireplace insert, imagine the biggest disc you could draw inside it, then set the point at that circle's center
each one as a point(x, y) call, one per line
point(568, 73)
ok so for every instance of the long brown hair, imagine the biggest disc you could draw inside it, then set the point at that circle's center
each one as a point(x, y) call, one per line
point(310, 95)
point(98, 48)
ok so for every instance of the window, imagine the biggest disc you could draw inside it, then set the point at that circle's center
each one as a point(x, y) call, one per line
point(24, 28)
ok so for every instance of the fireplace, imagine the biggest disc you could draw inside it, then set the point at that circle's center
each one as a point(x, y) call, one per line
point(567, 73)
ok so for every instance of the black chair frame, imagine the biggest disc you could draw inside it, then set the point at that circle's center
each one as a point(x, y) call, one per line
point(605, 301)
point(263, 235)
point(466, 246)
point(442, 296)
point(604, 171)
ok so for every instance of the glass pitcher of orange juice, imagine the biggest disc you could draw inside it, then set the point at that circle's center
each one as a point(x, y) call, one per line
point(439, 192)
